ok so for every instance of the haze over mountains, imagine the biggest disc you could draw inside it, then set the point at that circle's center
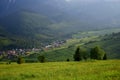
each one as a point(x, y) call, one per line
point(45, 20)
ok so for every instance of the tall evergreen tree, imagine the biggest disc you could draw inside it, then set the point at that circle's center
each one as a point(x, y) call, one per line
point(77, 56)
point(105, 57)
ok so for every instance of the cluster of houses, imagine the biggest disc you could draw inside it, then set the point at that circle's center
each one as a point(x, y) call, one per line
point(55, 44)
point(14, 53)
point(26, 52)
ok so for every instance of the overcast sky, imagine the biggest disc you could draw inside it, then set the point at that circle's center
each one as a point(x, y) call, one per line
point(93, 0)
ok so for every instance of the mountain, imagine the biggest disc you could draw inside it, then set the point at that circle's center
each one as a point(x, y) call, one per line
point(32, 22)
point(24, 22)
point(25, 27)
point(81, 10)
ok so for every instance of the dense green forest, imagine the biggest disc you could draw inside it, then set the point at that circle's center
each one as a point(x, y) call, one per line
point(27, 30)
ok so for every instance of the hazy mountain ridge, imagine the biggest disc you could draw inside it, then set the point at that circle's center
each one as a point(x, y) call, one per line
point(91, 11)
point(50, 19)
point(25, 27)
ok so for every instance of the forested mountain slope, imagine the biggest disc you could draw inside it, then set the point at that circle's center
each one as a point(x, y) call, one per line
point(28, 23)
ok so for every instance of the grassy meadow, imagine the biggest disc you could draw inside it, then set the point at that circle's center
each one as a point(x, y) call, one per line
point(96, 32)
point(89, 70)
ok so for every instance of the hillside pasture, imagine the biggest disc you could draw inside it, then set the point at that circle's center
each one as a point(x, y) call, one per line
point(89, 70)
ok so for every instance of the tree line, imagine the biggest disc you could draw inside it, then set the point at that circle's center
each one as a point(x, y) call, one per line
point(95, 53)
point(80, 54)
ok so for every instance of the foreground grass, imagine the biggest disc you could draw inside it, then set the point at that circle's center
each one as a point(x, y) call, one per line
point(91, 70)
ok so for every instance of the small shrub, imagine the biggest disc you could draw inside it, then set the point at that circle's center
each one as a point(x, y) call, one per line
point(41, 59)
point(68, 60)
point(8, 62)
point(20, 60)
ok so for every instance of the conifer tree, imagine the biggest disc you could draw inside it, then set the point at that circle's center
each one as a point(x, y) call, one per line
point(77, 56)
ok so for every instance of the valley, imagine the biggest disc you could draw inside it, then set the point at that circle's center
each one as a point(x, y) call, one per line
point(59, 40)
point(108, 39)
point(29, 24)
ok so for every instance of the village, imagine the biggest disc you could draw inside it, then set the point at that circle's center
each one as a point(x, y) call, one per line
point(9, 54)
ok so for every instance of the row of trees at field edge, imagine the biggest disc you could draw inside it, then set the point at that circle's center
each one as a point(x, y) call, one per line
point(95, 53)
point(80, 54)
point(21, 60)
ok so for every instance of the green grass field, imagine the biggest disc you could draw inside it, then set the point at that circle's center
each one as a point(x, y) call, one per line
point(96, 32)
point(90, 70)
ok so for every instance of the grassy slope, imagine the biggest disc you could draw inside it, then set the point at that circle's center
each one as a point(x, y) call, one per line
point(60, 54)
point(97, 32)
point(94, 70)
point(111, 47)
